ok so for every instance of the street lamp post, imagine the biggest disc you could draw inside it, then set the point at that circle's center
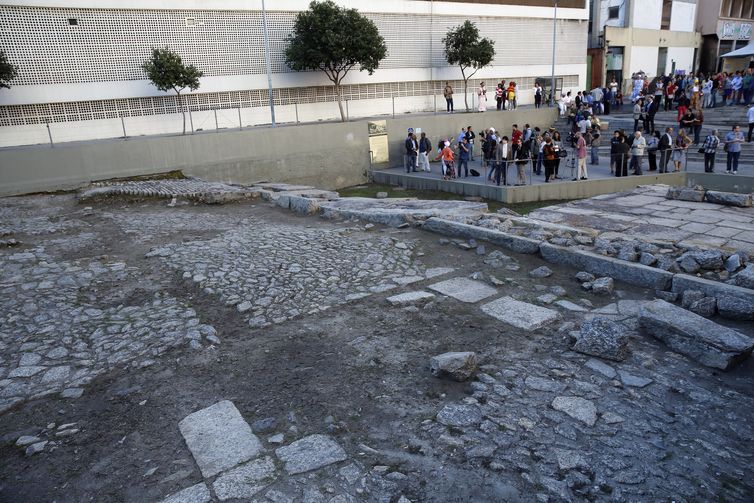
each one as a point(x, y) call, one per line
point(267, 62)
point(554, 26)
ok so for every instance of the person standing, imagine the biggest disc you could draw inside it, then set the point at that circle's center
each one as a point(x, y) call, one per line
point(537, 95)
point(460, 136)
point(482, 95)
point(652, 108)
point(681, 146)
point(750, 118)
point(638, 147)
point(471, 137)
point(512, 96)
point(621, 152)
point(412, 148)
point(596, 141)
point(503, 154)
point(549, 157)
point(733, 142)
point(499, 91)
point(736, 85)
point(558, 145)
point(707, 93)
point(424, 147)
point(521, 161)
point(581, 174)
point(665, 147)
point(687, 122)
point(463, 158)
point(697, 124)
point(614, 154)
point(637, 114)
point(516, 139)
point(711, 142)
point(653, 143)
point(448, 93)
point(537, 142)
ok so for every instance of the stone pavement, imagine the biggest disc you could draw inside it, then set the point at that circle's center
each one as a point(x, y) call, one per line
point(645, 213)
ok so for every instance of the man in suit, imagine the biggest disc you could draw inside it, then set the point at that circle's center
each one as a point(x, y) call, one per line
point(412, 148)
point(665, 146)
point(503, 155)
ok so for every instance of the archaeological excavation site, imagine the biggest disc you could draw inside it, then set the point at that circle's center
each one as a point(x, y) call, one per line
point(183, 341)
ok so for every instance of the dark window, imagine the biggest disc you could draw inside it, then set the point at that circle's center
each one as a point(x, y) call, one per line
point(73, 21)
point(667, 11)
point(613, 12)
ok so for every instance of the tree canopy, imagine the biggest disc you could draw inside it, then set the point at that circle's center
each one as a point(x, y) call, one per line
point(167, 72)
point(8, 71)
point(334, 40)
point(464, 47)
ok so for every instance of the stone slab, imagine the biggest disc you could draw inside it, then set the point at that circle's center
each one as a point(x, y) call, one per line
point(520, 314)
point(219, 438)
point(410, 298)
point(600, 265)
point(310, 453)
point(245, 481)
point(703, 340)
point(729, 198)
point(464, 289)
point(194, 494)
point(438, 271)
point(459, 415)
point(576, 407)
point(570, 306)
point(456, 229)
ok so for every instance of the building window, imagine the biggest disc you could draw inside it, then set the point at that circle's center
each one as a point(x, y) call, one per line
point(613, 12)
point(667, 10)
point(72, 21)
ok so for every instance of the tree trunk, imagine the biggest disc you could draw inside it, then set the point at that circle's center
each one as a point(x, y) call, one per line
point(183, 111)
point(465, 89)
point(340, 101)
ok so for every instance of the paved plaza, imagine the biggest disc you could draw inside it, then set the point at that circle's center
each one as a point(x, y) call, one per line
point(161, 349)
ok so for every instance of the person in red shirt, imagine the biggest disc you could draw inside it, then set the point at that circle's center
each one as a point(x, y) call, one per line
point(516, 139)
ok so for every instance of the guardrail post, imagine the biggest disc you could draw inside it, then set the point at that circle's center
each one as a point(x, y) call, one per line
point(191, 121)
point(295, 105)
point(240, 124)
point(49, 134)
point(217, 126)
point(123, 125)
point(393, 107)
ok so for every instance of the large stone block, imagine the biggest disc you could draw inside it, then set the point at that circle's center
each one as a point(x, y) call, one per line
point(219, 438)
point(601, 265)
point(728, 198)
point(685, 194)
point(703, 340)
point(456, 229)
point(733, 301)
point(310, 453)
point(464, 289)
point(520, 314)
point(458, 366)
point(604, 338)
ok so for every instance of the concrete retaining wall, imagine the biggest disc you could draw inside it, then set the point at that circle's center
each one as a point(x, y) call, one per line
point(328, 155)
point(742, 184)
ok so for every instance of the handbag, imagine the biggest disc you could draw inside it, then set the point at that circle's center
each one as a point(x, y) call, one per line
point(701, 150)
point(562, 154)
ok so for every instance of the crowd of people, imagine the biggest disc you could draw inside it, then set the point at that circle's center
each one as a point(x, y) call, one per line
point(547, 150)
point(496, 152)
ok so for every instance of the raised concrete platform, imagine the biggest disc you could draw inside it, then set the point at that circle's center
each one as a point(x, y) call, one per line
point(536, 190)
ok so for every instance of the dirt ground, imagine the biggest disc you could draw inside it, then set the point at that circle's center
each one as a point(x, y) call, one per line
point(357, 371)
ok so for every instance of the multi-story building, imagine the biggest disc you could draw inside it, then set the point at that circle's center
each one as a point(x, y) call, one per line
point(652, 36)
point(80, 61)
point(725, 25)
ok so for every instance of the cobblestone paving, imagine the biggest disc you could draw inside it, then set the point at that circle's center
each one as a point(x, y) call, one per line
point(57, 334)
point(194, 189)
point(273, 273)
point(574, 428)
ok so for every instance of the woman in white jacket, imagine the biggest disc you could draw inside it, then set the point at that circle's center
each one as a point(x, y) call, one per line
point(707, 93)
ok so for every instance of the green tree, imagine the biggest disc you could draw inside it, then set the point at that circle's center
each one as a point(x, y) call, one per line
point(334, 39)
point(8, 71)
point(464, 48)
point(167, 72)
